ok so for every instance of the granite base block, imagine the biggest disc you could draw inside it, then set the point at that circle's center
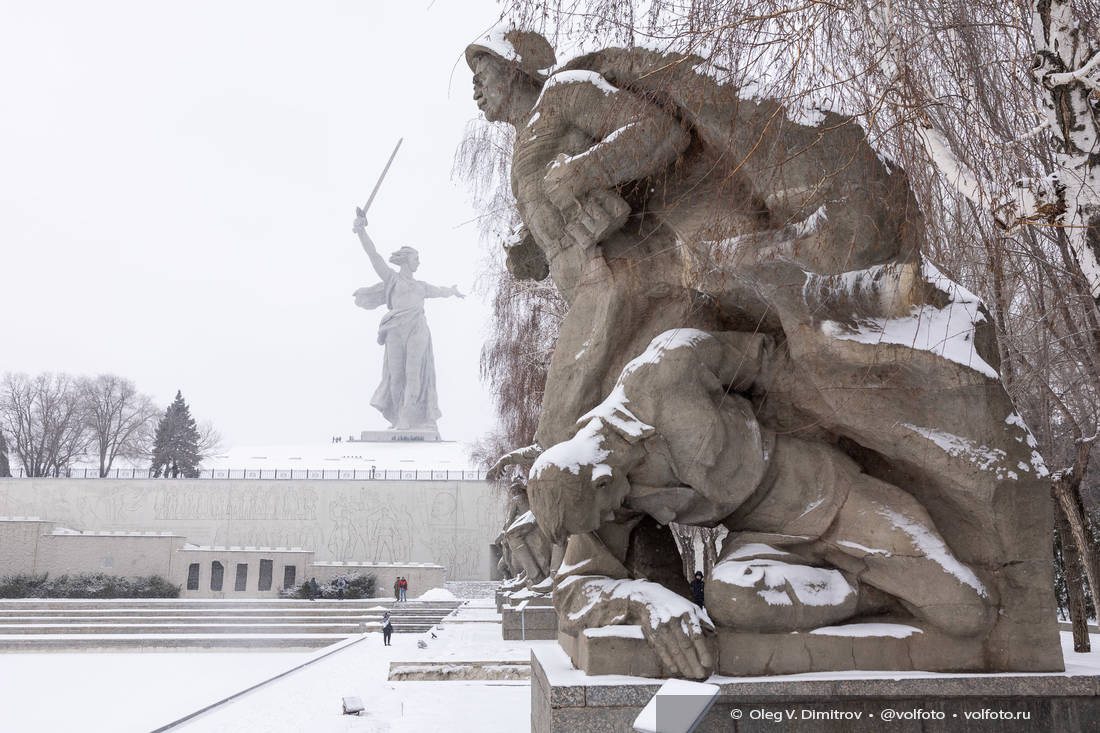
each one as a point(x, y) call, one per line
point(610, 655)
point(747, 654)
point(532, 622)
point(566, 700)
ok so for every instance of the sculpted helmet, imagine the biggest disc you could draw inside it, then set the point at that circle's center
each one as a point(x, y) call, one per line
point(528, 51)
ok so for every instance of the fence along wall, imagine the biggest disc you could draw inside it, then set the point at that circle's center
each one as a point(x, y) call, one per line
point(451, 523)
point(332, 474)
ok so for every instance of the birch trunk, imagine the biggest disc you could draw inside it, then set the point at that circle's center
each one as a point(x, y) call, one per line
point(1075, 592)
point(1067, 65)
point(1065, 487)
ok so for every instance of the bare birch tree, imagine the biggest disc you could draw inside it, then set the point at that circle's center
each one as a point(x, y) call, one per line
point(45, 418)
point(210, 440)
point(120, 419)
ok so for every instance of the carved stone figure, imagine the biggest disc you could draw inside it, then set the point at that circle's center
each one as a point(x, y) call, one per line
point(754, 340)
point(815, 541)
point(526, 550)
point(407, 396)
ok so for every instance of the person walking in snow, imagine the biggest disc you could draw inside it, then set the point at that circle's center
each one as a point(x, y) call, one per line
point(403, 586)
point(341, 584)
point(387, 628)
point(311, 588)
point(397, 588)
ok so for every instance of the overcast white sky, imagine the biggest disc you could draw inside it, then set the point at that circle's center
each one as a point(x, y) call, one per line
point(177, 190)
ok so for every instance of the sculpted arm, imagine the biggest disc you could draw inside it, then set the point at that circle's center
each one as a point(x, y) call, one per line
point(524, 259)
point(594, 589)
point(634, 138)
point(439, 291)
point(379, 264)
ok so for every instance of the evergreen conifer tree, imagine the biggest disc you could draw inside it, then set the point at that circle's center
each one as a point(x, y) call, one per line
point(176, 443)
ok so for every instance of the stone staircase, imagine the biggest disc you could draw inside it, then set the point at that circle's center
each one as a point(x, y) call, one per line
point(155, 624)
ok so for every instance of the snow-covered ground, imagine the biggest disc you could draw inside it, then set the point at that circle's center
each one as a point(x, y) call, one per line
point(140, 692)
point(50, 692)
point(122, 692)
point(310, 699)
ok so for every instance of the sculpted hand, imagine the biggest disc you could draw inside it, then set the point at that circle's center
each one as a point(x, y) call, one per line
point(524, 457)
point(360, 223)
point(599, 214)
point(677, 632)
point(454, 289)
point(562, 186)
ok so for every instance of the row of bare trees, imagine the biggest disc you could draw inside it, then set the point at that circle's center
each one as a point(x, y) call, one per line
point(50, 420)
point(992, 107)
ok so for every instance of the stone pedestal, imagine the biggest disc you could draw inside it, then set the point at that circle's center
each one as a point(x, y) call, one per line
point(742, 654)
point(857, 646)
point(623, 652)
point(428, 435)
point(566, 700)
point(528, 621)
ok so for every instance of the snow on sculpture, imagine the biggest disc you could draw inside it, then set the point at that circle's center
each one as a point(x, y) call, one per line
point(754, 340)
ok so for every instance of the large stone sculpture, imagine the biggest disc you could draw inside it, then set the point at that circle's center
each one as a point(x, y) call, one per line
point(525, 549)
point(406, 396)
point(754, 340)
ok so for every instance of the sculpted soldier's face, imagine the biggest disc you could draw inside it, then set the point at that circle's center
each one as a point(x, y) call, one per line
point(494, 83)
point(567, 503)
point(570, 495)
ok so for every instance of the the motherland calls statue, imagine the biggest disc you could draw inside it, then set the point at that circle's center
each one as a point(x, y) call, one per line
point(754, 340)
point(406, 396)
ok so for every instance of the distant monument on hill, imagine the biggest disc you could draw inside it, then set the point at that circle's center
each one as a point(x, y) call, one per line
point(407, 395)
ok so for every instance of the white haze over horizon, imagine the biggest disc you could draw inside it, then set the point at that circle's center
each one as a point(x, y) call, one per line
point(178, 191)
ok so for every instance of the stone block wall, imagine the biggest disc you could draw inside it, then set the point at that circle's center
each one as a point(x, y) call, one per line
point(20, 538)
point(449, 523)
point(128, 554)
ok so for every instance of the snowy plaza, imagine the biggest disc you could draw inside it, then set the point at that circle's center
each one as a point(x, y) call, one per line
point(112, 692)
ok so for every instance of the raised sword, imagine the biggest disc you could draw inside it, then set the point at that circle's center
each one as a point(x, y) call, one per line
point(363, 211)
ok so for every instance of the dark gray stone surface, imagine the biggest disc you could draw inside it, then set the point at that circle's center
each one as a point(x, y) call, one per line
point(534, 622)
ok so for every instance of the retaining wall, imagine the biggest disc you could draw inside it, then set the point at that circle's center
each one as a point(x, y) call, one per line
point(450, 523)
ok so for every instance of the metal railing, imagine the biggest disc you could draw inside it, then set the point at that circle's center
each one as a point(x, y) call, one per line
point(335, 474)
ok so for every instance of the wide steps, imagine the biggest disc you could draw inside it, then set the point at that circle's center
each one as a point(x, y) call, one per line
point(7, 616)
point(9, 605)
point(191, 624)
point(160, 643)
point(88, 624)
